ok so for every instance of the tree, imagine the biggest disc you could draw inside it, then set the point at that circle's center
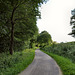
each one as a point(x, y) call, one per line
point(72, 22)
point(18, 19)
point(44, 38)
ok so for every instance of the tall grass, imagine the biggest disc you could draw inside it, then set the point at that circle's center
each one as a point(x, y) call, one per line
point(66, 65)
point(63, 49)
point(64, 54)
point(13, 64)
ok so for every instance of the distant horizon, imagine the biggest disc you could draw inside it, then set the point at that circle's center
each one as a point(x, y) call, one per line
point(56, 19)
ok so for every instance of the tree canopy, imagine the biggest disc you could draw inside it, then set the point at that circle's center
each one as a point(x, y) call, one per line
point(44, 38)
point(72, 22)
point(18, 22)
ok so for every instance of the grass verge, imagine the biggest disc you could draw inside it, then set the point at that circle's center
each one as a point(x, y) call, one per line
point(14, 64)
point(67, 67)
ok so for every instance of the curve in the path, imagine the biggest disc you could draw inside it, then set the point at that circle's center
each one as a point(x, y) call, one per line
point(42, 65)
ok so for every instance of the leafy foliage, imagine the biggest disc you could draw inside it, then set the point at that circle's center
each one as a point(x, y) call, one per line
point(66, 65)
point(44, 38)
point(12, 65)
point(18, 22)
point(63, 49)
point(72, 22)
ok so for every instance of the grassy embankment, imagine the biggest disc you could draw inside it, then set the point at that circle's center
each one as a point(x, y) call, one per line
point(14, 64)
point(67, 67)
point(64, 54)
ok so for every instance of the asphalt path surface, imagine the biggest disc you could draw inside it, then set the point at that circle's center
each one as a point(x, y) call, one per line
point(42, 65)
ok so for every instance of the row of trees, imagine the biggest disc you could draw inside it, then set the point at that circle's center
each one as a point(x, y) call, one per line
point(18, 23)
point(42, 39)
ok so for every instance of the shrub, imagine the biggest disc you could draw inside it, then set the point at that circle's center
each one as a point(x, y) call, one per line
point(63, 49)
point(13, 64)
point(66, 65)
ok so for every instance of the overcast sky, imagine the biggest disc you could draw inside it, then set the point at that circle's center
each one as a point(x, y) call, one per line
point(55, 16)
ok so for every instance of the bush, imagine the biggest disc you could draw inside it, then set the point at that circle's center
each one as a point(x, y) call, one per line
point(66, 65)
point(13, 64)
point(63, 49)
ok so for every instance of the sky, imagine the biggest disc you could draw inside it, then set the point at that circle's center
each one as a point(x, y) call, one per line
point(55, 19)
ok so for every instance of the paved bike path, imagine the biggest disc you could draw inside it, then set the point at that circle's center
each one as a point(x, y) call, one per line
point(42, 65)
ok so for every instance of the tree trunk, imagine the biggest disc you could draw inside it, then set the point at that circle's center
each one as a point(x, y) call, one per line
point(12, 38)
point(12, 32)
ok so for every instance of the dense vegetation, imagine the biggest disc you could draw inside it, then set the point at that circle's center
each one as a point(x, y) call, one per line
point(13, 64)
point(44, 39)
point(72, 22)
point(64, 54)
point(63, 49)
point(66, 65)
point(18, 32)
point(18, 23)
